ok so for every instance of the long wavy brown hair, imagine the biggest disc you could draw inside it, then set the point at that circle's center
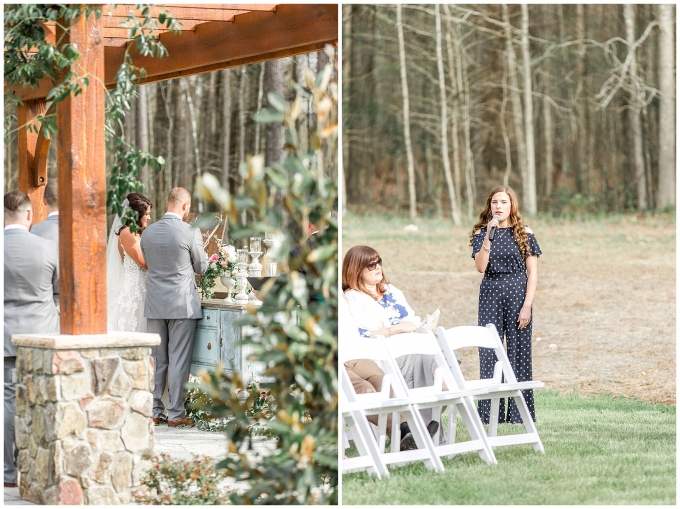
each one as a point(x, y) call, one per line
point(515, 220)
point(139, 203)
point(355, 261)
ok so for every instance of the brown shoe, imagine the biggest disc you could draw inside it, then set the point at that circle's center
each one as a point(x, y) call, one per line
point(184, 421)
point(156, 420)
point(11, 485)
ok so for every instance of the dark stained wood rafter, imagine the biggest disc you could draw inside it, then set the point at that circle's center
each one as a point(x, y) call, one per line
point(42, 146)
point(29, 152)
point(263, 33)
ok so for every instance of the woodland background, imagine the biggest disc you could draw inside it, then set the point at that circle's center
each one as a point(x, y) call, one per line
point(204, 123)
point(571, 105)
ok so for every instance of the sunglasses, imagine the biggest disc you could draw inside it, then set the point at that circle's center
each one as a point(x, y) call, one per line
point(374, 265)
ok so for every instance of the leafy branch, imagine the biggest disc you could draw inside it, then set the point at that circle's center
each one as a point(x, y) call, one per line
point(30, 58)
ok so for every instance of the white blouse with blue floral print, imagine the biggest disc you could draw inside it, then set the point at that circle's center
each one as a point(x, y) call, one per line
point(371, 315)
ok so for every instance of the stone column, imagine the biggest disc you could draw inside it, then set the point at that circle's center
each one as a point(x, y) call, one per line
point(83, 421)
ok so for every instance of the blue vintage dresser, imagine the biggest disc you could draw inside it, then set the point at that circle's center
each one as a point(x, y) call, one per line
point(216, 338)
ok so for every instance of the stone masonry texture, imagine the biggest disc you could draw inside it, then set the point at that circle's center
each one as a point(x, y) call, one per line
point(83, 424)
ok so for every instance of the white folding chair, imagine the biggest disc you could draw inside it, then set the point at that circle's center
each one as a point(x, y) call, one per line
point(379, 403)
point(487, 337)
point(354, 418)
point(436, 396)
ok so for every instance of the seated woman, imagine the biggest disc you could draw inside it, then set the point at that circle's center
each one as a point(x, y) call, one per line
point(380, 309)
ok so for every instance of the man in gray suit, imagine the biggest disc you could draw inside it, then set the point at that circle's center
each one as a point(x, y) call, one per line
point(31, 276)
point(173, 251)
point(49, 228)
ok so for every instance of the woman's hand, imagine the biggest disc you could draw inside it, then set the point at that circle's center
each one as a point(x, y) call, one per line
point(492, 224)
point(524, 316)
point(399, 328)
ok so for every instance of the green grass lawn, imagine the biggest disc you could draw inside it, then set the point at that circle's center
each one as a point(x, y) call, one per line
point(598, 450)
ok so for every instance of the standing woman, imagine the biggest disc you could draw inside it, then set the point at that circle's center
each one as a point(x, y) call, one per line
point(510, 267)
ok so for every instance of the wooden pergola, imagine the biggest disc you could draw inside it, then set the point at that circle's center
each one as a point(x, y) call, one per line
point(213, 37)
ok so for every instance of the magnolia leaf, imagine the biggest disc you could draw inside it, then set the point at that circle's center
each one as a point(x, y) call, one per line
point(322, 253)
point(315, 141)
point(309, 78)
point(329, 129)
point(267, 116)
point(278, 102)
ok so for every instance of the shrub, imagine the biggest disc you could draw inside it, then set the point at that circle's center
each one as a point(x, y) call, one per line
point(183, 482)
point(295, 329)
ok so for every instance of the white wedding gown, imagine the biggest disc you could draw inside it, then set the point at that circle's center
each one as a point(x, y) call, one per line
point(127, 313)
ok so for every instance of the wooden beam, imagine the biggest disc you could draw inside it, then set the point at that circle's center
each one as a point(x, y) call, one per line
point(252, 37)
point(121, 13)
point(237, 7)
point(27, 115)
point(42, 147)
point(82, 189)
point(301, 50)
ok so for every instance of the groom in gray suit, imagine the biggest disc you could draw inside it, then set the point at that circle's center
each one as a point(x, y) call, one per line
point(173, 251)
point(31, 279)
point(49, 228)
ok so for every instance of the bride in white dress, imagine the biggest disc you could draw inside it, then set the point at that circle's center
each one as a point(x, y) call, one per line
point(126, 270)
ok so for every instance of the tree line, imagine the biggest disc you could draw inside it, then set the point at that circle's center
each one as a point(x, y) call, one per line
point(571, 105)
point(203, 123)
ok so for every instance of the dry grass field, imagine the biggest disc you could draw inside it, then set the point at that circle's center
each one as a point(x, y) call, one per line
point(604, 311)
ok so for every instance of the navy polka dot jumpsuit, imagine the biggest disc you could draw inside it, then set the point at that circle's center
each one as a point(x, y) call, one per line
point(501, 296)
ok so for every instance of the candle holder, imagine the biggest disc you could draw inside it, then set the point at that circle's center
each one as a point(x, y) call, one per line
point(270, 267)
point(241, 281)
point(255, 268)
point(228, 282)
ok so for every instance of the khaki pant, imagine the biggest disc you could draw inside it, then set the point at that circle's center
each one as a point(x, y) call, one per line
point(366, 377)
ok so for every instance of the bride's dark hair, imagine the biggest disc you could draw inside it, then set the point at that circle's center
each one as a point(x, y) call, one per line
point(139, 203)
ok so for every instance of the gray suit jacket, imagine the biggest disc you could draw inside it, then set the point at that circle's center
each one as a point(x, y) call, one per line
point(49, 229)
point(31, 275)
point(173, 251)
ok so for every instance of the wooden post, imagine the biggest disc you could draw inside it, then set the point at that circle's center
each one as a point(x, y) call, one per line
point(82, 187)
point(27, 114)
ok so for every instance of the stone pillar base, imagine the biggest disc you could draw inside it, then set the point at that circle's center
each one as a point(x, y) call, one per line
point(83, 416)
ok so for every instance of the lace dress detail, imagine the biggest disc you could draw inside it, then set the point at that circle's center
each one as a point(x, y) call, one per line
point(128, 312)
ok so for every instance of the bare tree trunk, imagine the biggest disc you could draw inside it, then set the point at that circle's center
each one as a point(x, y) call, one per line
point(504, 129)
point(456, 107)
point(530, 186)
point(226, 125)
point(194, 131)
point(260, 93)
point(516, 103)
point(636, 129)
point(470, 175)
point(346, 93)
point(547, 126)
point(186, 173)
point(582, 179)
point(142, 132)
point(407, 128)
point(564, 131)
point(209, 130)
point(166, 91)
point(455, 211)
point(242, 116)
point(667, 140)
point(275, 132)
point(128, 122)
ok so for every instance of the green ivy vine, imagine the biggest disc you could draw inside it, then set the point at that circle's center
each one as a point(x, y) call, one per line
point(30, 58)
